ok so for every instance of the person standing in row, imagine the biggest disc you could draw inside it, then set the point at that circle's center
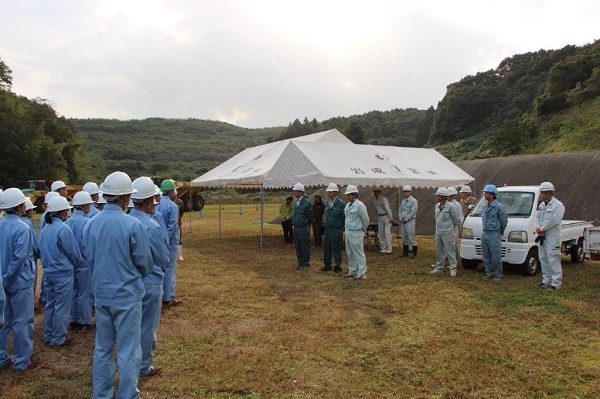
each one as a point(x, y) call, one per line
point(446, 220)
point(92, 189)
point(407, 215)
point(170, 213)
point(317, 224)
point(302, 217)
point(17, 281)
point(384, 221)
point(334, 226)
point(27, 219)
point(60, 258)
point(547, 225)
point(466, 200)
point(120, 254)
point(143, 203)
point(494, 221)
point(83, 301)
point(285, 213)
point(356, 225)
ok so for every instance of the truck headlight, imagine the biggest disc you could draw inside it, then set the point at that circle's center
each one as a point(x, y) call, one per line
point(467, 234)
point(517, 236)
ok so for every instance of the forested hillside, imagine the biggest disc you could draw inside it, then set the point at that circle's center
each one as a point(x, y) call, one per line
point(539, 102)
point(182, 149)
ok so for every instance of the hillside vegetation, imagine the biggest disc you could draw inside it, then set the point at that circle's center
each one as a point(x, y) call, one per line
point(539, 102)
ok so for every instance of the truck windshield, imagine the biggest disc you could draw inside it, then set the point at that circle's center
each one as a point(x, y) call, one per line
point(516, 204)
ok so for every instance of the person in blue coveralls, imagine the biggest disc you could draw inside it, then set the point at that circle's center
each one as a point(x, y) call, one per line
point(302, 218)
point(334, 227)
point(92, 189)
point(120, 256)
point(494, 221)
point(548, 224)
point(47, 198)
point(407, 214)
point(60, 258)
point(27, 219)
point(17, 282)
point(81, 308)
point(143, 203)
point(170, 212)
point(356, 225)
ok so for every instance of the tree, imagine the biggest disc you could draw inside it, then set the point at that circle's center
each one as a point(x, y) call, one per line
point(5, 76)
point(355, 132)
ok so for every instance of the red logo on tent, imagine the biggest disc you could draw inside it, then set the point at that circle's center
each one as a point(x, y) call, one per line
point(257, 157)
point(382, 157)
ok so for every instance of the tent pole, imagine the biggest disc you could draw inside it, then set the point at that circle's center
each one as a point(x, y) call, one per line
point(220, 206)
point(261, 198)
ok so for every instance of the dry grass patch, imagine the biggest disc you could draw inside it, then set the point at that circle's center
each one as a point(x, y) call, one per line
point(251, 326)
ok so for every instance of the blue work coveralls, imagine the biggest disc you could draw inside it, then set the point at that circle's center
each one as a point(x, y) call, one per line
point(36, 250)
point(334, 227)
point(302, 218)
point(549, 219)
point(17, 280)
point(153, 285)
point(494, 221)
point(83, 300)
point(120, 257)
point(356, 224)
point(60, 258)
point(170, 212)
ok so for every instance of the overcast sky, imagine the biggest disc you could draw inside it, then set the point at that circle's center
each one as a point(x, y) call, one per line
point(262, 63)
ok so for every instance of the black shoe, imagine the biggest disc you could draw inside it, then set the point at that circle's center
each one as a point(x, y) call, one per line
point(325, 269)
point(337, 270)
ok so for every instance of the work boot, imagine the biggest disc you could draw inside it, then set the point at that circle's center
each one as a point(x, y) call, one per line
point(404, 251)
point(414, 252)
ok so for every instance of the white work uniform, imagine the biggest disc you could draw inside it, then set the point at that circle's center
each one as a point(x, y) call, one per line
point(384, 223)
point(549, 219)
point(408, 213)
point(356, 223)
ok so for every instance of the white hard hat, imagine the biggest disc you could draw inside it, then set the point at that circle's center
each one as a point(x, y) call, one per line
point(58, 204)
point(145, 188)
point(332, 187)
point(465, 189)
point(101, 199)
point(157, 191)
point(28, 204)
point(298, 187)
point(50, 195)
point(443, 191)
point(11, 197)
point(452, 191)
point(82, 198)
point(91, 188)
point(546, 186)
point(351, 189)
point(117, 184)
point(57, 185)
point(406, 188)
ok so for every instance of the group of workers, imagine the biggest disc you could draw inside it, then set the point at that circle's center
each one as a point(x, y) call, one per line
point(334, 219)
point(97, 255)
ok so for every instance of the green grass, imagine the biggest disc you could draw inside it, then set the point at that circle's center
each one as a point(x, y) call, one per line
point(250, 326)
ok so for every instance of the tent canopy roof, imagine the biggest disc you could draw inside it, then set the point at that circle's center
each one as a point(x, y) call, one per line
point(329, 157)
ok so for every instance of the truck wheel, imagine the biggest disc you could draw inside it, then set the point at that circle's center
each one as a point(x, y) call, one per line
point(577, 252)
point(469, 264)
point(532, 263)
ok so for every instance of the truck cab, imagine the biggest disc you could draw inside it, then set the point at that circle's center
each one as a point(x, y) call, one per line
point(519, 246)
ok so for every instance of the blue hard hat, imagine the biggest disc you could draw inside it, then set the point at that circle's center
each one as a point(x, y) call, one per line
point(490, 188)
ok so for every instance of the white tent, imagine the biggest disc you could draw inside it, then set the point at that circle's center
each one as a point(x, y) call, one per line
point(329, 157)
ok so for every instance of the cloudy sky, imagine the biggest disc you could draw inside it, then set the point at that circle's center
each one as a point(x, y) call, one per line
point(261, 63)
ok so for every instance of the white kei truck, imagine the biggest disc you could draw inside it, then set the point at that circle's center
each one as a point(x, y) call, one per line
point(519, 246)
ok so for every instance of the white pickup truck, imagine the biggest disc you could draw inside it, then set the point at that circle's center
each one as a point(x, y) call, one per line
point(518, 242)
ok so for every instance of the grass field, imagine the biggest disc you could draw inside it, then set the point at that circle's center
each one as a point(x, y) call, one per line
point(250, 326)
